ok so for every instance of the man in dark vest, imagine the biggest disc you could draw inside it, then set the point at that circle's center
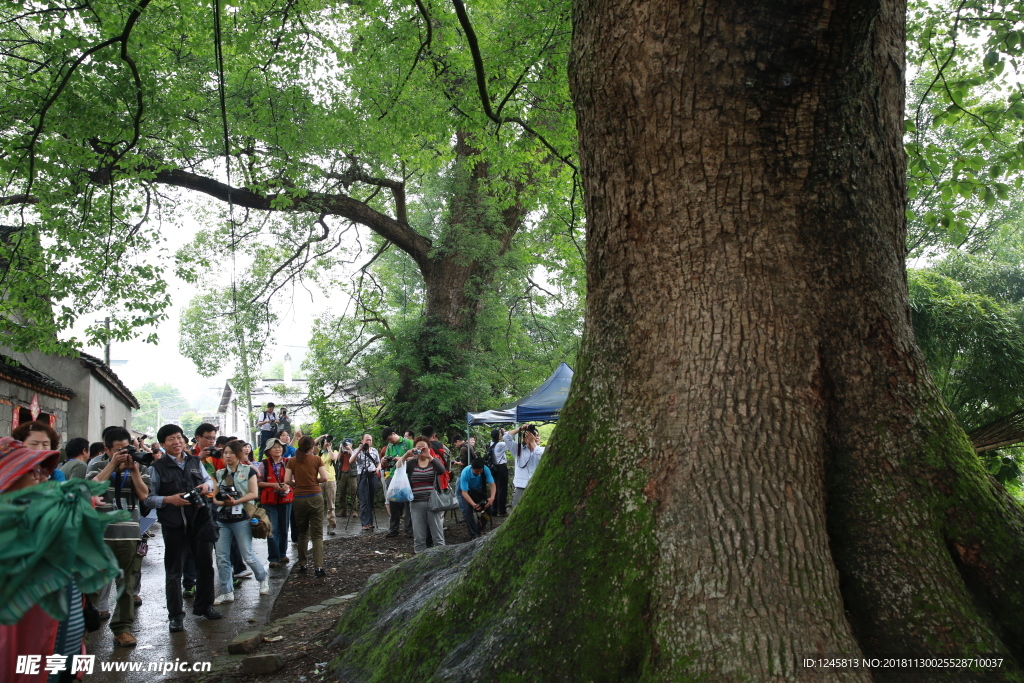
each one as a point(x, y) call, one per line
point(173, 475)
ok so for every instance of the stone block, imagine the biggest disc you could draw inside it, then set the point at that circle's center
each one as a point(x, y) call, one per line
point(314, 608)
point(245, 643)
point(338, 600)
point(262, 664)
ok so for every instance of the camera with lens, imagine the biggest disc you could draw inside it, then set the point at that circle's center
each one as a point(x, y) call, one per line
point(195, 496)
point(228, 491)
point(144, 458)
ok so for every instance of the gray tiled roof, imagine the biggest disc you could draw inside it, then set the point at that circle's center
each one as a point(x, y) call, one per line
point(109, 377)
point(13, 372)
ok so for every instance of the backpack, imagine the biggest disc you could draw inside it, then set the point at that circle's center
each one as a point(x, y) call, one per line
point(262, 528)
point(444, 480)
point(490, 460)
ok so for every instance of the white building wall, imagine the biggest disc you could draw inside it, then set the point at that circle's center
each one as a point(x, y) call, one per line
point(94, 407)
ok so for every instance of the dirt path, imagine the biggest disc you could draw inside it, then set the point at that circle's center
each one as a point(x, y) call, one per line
point(302, 638)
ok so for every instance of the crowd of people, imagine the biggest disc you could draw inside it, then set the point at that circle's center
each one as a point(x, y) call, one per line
point(213, 494)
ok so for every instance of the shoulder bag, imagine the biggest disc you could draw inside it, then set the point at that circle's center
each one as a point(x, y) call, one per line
point(442, 499)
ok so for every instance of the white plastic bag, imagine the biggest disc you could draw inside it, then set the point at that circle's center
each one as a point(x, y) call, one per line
point(400, 490)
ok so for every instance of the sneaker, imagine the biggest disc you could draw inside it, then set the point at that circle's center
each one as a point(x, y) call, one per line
point(104, 616)
point(301, 568)
point(391, 534)
point(175, 625)
point(274, 563)
point(265, 587)
point(125, 640)
point(209, 613)
point(235, 583)
point(320, 573)
point(138, 601)
point(285, 560)
point(243, 574)
point(224, 597)
point(331, 533)
point(189, 592)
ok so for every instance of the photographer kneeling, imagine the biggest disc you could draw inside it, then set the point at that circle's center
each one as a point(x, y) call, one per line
point(237, 485)
point(476, 494)
point(180, 487)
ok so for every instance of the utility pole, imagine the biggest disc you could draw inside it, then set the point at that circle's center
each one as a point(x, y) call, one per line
point(106, 348)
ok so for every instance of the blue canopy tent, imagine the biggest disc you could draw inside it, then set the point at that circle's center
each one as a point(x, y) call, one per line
point(542, 405)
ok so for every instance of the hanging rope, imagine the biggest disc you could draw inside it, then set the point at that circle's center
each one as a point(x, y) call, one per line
point(218, 52)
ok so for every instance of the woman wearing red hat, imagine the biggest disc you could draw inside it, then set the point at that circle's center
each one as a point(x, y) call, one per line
point(36, 631)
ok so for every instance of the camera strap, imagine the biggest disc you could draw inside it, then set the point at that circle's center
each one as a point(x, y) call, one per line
point(118, 480)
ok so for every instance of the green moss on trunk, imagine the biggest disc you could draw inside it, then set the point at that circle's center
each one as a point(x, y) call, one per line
point(561, 591)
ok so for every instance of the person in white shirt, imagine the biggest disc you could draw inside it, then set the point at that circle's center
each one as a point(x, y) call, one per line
point(367, 462)
point(527, 457)
point(267, 424)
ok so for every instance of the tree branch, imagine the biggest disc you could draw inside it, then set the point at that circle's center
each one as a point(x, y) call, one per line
point(44, 110)
point(18, 199)
point(397, 188)
point(481, 84)
point(404, 237)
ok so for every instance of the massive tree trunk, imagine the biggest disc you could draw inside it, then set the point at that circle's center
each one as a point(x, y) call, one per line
point(753, 465)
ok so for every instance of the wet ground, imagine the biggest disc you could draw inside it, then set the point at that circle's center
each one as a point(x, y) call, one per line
point(156, 644)
point(301, 627)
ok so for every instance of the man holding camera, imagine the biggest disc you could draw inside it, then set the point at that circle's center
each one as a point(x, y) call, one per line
point(346, 481)
point(267, 424)
point(209, 448)
point(367, 462)
point(328, 456)
point(180, 486)
point(206, 450)
point(527, 457)
point(127, 486)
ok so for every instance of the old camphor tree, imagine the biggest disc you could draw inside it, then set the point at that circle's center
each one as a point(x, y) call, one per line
point(330, 114)
point(754, 464)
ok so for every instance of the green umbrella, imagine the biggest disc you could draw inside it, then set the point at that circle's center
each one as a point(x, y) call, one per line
point(49, 534)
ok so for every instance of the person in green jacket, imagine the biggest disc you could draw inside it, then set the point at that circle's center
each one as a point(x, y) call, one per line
point(395, 448)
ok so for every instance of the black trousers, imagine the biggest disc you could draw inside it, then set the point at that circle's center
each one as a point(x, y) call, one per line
point(189, 573)
point(397, 509)
point(176, 541)
point(367, 491)
point(500, 474)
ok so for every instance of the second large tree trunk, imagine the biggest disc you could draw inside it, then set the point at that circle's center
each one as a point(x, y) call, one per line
point(753, 467)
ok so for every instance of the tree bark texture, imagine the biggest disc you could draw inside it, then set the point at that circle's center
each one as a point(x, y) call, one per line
point(753, 465)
